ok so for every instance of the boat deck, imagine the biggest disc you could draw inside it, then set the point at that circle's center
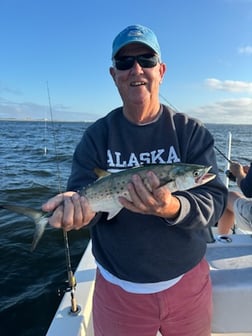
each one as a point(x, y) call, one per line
point(230, 263)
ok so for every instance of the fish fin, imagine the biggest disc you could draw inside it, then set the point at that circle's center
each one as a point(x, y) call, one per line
point(40, 224)
point(101, 173)
point(113, 213)
point(39, 218)
point(28, 212)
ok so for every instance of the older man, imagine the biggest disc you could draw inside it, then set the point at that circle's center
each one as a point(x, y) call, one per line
point(151, 271)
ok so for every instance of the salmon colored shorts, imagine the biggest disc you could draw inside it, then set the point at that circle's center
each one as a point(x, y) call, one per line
point(184, 309)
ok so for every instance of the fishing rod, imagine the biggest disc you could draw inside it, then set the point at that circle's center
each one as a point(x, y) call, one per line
point(75, 309)
point(227, 172)
point(172, 106)
point(221, 153)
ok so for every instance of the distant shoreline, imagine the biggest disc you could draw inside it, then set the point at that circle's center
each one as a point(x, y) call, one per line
point(92, 121)
point(46, 120)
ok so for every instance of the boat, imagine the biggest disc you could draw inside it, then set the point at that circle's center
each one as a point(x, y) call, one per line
point(230, 261)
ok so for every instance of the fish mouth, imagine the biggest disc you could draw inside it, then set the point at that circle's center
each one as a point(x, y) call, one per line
point(205, 178)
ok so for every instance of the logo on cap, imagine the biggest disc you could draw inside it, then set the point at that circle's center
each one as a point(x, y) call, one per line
point(135, 32)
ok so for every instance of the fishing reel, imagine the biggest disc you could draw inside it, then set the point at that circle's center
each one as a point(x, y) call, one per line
point(229, 174)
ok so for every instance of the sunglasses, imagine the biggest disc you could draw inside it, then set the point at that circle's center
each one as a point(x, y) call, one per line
point(127, 62)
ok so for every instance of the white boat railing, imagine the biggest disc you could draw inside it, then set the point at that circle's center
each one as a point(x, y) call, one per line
point(228, 155)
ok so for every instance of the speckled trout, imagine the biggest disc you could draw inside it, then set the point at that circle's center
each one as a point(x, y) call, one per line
point(103, 194)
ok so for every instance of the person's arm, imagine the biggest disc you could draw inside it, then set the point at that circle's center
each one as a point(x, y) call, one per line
point(237, 170)
point(246, 183)
point(195, 208)
point(201, 206)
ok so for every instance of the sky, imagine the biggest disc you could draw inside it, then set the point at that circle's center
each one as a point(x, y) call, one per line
point(55, 57)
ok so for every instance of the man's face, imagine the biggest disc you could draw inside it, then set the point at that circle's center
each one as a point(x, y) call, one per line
point(138, 85)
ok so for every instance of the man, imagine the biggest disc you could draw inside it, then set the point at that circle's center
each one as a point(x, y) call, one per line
point(151, 274)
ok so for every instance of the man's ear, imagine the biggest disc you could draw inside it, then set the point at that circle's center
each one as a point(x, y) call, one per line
point(112, 72)
point(162, 70)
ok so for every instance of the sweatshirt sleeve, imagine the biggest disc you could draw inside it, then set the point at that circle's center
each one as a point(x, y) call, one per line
point(88, 155)
point(201, 206)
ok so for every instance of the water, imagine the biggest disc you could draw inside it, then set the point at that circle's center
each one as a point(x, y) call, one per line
point(31, 284)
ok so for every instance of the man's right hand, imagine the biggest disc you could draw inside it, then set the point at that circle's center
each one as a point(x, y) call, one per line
point(70, 211)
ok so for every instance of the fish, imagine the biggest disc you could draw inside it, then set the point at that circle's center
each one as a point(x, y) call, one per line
point(103, 194)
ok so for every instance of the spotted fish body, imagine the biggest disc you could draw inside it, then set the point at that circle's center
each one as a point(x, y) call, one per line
point(103, 194)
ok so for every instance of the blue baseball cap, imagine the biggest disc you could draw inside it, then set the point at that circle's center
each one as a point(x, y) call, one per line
point(136, 34)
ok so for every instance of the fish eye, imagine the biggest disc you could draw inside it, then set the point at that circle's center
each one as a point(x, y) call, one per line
point(196, 173)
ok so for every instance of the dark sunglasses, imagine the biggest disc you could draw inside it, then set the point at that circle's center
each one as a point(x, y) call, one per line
point(127, 62)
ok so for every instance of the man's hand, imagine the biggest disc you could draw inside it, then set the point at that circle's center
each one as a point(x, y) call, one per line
point(154, 200)
point(238, 171)
point(70, 211)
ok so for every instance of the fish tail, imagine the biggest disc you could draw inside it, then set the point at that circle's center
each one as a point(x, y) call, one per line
point(39, 218)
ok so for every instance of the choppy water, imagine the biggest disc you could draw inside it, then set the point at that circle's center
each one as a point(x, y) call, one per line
point(30, 283)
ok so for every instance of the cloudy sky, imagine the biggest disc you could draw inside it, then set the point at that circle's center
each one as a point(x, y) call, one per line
point(57, 53)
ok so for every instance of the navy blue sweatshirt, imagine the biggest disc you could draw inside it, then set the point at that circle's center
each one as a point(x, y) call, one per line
point(145, 248)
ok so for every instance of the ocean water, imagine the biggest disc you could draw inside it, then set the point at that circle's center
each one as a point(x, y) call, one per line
point(35, 162)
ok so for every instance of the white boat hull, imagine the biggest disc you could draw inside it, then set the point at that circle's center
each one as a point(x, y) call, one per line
point(65, 323)
point(231, 273)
